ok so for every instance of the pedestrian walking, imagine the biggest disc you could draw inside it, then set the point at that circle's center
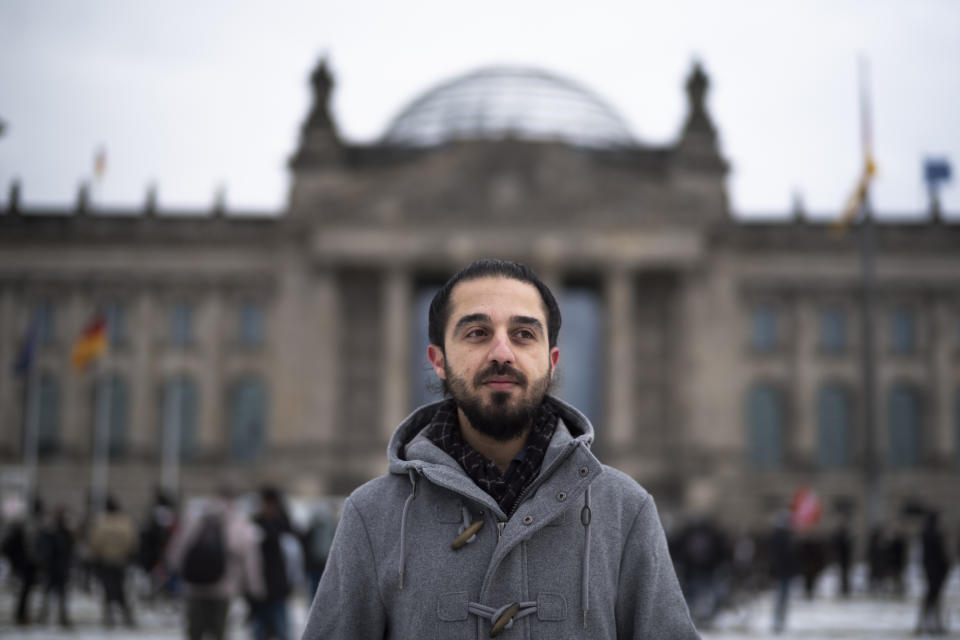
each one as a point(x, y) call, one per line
point(21, 547)
point(269, 616)
point(782, 567)
point(155, 534)
point(896, 552)
point(113, 541)
point(217, 555)
point(841, 543)
point(316, 547)
point(936, 567)
point(57, 554)
point(812, 558)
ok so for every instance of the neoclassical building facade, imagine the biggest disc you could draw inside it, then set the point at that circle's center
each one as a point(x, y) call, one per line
point(720, 359)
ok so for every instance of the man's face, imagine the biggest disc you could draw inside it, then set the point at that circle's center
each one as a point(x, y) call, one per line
point(496, 363)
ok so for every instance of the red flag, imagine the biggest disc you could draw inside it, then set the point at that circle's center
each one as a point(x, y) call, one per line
point(805, 509)
point(91, 343)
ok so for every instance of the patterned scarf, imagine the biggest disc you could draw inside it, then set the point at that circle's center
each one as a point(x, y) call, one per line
point(444, 431)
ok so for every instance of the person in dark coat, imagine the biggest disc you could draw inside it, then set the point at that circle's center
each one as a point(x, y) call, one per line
point(701, 552)
point(155, 535)
point(936, 566)
point(57, 555)
point(782, 567)
point(897, 561)
point(269, 615)
point(21, 545)
point(812, 557)
point(877, 558)
point(316, 547)
point(841, 543)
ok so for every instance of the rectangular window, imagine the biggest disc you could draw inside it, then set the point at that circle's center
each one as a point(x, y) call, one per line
point(181, 325)
point(250, 324)
point(44, 316)
point(903, 330)
point(763, 328)
point(833, 330)
point(115, 315)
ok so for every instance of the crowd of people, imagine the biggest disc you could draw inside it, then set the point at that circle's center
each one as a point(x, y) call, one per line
point(222, 552)
point(207, 558)
point(717, 570)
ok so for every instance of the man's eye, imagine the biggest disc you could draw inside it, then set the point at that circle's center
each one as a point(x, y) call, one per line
point(475, 333)
point(526, 334)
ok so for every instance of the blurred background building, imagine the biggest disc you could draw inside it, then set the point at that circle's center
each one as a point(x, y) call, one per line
point(720, 359)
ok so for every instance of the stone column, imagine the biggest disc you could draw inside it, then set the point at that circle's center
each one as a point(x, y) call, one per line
point(213, 432)
point(143, 410)
point(397, 292)
point(324, 308)
point(9, 349)
point(618, 290)
point(941, 421)
point(799, 331)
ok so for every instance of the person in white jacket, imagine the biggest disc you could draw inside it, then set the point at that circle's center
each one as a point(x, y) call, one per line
point(208, 599)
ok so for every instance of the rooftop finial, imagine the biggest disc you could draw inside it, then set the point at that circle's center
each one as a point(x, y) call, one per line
point(322, 82)
point(13, 200)
point(150, 206)
point(83, 198)
point(697, 85)
point(220, 201)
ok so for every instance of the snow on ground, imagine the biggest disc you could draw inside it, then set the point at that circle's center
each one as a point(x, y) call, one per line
point(826, 616)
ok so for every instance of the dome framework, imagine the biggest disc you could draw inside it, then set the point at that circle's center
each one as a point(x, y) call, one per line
point(509, 102)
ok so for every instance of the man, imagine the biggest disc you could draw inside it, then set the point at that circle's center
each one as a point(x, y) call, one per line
point(495, 517)
point(218, 556)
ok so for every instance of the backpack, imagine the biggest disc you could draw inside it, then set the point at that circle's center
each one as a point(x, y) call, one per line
point(205, 561)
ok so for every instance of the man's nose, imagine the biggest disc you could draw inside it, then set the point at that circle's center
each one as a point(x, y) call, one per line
point(501, 351)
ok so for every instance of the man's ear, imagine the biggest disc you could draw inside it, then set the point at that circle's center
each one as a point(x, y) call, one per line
point(436, 358)
point(554, 359)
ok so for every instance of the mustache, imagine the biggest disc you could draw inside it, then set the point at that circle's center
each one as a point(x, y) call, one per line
point(499, 370)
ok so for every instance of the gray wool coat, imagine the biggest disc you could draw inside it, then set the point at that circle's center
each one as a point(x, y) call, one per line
point(582, 556)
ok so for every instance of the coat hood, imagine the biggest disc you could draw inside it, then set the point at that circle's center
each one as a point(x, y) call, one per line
point(410, 449)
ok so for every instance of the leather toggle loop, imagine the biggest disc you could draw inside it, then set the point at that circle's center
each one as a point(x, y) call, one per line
point(504, 620)
point(468, 533)
point(585, 515)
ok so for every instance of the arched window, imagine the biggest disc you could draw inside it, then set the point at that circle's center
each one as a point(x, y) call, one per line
point(111, 403)
point(179, 411)
point(248, 416)
point(904, 426)
point(581, 350)
point(765, 425)
point(833, 426)
point(45, 413)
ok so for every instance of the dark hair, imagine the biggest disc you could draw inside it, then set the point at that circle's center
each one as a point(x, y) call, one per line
point(486, 268)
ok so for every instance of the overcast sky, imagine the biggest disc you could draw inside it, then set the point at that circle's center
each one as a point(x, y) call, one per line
point(193, 95)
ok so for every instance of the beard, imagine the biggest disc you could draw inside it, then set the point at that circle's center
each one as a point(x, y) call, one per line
point(499, 418)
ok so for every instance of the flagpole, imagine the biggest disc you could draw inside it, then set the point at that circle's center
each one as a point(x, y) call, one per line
point(868, 253)
point(101, 444)
point(31, 435)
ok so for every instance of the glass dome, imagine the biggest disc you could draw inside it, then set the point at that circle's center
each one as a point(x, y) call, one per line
point(509, 102)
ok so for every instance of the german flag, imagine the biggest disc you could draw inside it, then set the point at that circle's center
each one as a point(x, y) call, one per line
point(91, 344)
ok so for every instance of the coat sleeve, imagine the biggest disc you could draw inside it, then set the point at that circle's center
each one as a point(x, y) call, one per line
point(348, 604)
point(649, 601)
